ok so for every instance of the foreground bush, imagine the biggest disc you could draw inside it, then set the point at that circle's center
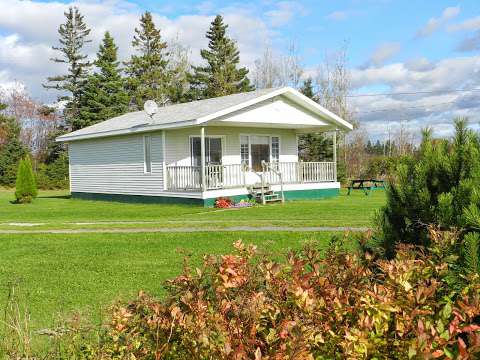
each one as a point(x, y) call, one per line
point(26, 186)
point(436, 187)
point(332, 306)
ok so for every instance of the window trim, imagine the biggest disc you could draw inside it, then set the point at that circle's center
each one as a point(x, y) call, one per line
point(249, 135)
point(145, 167)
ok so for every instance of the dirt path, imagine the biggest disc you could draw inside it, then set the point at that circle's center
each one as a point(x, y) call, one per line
point(189, 230)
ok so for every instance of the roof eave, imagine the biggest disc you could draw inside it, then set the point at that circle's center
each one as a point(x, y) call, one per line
point(143, 129)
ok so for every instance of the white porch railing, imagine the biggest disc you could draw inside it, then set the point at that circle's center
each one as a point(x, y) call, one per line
point(188, 178)
point(224, 176)
point(184, 178)
point(301, 172)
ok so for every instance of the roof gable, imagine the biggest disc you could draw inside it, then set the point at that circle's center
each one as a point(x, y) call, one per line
point(278, 111)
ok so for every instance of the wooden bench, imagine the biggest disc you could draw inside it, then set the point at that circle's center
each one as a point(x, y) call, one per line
point(366, 185)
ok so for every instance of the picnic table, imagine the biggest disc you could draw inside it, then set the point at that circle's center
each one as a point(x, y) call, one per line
point(366, 185)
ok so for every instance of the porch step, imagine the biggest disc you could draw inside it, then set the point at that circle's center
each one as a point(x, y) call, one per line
point(274, 197)
point(269, 196)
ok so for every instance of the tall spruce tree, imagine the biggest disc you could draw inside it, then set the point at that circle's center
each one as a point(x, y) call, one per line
point(220, 76)
point(313, 147)
point(11, 148)
point(104, 95)
point(148, 77)
point(73, 36)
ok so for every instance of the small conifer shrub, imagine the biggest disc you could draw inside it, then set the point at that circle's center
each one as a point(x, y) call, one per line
point(26, 186)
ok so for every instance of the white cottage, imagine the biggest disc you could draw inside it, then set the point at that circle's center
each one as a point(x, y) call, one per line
point(236, 146)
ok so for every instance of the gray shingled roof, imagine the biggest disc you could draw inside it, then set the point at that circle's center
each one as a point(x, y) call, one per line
point(169, 114)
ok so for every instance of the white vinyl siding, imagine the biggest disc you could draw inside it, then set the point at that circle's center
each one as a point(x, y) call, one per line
point(116, 165)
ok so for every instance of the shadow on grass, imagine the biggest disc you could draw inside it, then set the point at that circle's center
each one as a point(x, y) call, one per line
point(55, 197)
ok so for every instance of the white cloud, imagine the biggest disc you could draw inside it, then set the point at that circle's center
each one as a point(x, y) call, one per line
point(338, 15)
point(434, 24)
point(284, 12)
point(30, 29)
point(436, 109)
point(470, 43)
point(466, 25)
point(384, 52)
point(450, 12)
point(419, 64)
point(205, 7)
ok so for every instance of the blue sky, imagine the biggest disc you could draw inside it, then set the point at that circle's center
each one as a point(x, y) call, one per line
point(393, 46)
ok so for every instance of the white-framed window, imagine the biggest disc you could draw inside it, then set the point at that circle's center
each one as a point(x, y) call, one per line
point(275, 148)
point(245, 149)
point(213, 150)
point(147, 154)
point(257, 148)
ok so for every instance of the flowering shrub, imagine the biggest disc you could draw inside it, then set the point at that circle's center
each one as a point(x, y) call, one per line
point(312, 306)
point(223, 203)
point(245, 203)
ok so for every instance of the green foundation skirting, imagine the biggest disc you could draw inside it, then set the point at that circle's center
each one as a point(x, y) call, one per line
point(312, 194)
point(141, 199)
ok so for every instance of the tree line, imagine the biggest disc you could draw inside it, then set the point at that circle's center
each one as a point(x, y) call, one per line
point(101, 89)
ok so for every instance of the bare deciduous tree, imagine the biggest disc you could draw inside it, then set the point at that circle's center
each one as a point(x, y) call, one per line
point(37, 121)
point(275, 70)
point(179, 65)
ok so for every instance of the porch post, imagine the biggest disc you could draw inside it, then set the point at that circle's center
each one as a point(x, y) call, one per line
point(334, 141)
point(202, 159)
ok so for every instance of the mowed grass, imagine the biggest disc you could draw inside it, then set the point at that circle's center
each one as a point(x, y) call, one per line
point(56, 210)
point(63, 273)
point(60, 274)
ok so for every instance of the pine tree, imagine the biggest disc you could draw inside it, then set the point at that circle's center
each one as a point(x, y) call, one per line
point(471, 251)
point(313, 147)
point(220, 76)
point(73, 36)
point(26, 186)
point(308, 90)
point(104, 95)
point(11, 148)
point(439, 186)
point(147, 72)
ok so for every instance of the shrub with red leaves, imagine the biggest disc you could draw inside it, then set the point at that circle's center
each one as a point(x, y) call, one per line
point(333, 305)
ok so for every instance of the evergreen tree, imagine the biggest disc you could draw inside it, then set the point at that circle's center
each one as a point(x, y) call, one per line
point(11, 148)
point(26, 186)
point(440, 187)
point(313, 147)
point(104, 95)
point(308, 90)
point(73, 36)
point(220, 76)
point(148, 77)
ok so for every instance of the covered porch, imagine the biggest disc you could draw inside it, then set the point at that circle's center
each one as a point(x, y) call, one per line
point(260, 164)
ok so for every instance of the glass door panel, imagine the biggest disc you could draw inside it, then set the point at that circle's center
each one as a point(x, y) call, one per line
point(260, 148)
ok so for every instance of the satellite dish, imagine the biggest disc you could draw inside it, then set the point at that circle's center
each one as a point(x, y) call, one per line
point(150, 107)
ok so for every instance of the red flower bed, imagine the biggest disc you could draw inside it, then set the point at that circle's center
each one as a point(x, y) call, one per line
point(223, 203)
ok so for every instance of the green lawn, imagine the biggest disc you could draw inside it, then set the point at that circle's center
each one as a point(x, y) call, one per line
point(59, 274)
point(57, 210)
point(62, 273)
